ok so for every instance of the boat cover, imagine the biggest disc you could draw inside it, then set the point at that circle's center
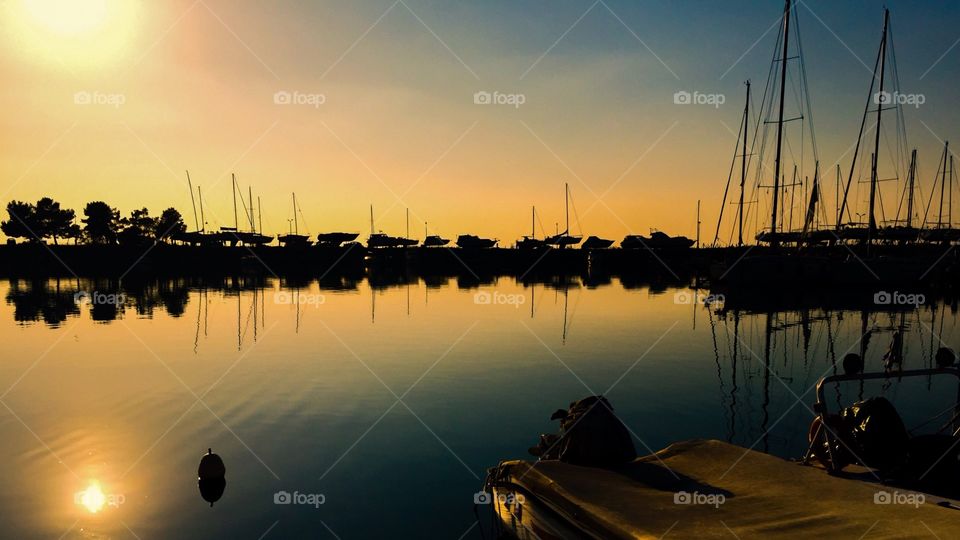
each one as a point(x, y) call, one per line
point(675, 493)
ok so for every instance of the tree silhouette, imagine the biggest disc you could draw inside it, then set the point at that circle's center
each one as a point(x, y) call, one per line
point(139, 228)
point(102, 223)
point(170, 225)
point(22, 222)
point(51, 220)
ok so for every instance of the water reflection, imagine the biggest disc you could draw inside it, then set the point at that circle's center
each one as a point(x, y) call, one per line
point(296, 371)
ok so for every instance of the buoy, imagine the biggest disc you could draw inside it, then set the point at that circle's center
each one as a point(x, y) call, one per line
point(945, 357)
point(211, 466)
point(211, 473)
point(211, 489)
point(852, 364)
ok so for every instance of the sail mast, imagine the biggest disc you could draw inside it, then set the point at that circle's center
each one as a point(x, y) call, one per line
point(783, 81)
point(913, 172)
point(202, 218)
point(743, 163)
point(236, 221)
point(872, 225)
point(566, 206)
point(260, 213)
point(371, 219)
point(193, 201)
point(296, 228)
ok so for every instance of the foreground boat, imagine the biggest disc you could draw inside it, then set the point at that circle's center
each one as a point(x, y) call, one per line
point(595, 242)
point(434, 240)
point(700, 489)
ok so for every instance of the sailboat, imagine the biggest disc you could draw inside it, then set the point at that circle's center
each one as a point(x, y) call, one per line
point(564, 239)
point(381, 240)
point(233, 235)
point(532, 242)
point(943, 231)
point(294, 238)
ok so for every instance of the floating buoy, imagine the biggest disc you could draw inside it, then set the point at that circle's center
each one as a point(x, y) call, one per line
point(211, 473)
point(945, 357)
point(852, 364)
point(211, 466)
point(211, 489)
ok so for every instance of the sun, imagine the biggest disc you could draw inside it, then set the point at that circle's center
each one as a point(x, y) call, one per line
point(68, 17)
point(92, 498)
point(73, 33)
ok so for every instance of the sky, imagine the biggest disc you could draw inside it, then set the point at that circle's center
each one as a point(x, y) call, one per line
point(349, 104)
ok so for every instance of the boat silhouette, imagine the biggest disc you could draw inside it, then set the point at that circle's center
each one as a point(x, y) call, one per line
point(595, 242)
point(471, 241)
point(564, 239)
point(656, 240)
point(336, 238)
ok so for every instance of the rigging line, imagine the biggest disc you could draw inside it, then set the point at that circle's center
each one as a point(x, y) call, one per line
point(933, 190)
point(856, 152)
point(806, 91)
point(575, 215)
point(723, 202)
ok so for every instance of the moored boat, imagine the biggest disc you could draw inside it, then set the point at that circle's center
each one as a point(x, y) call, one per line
point(475, 242)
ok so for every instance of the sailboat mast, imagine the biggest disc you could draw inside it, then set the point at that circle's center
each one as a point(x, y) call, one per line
point(783, 82)
point(913, 172)
point(253, 226)
point(743, 164)
point(371, 219)
point(295, 225)
point(872, 225)
point(533, 222)
point(943, 183)
point(260, 214)
point(236, 221)
point(202, 218)
point(408, 223)
point(193, 201)
point(566, 206)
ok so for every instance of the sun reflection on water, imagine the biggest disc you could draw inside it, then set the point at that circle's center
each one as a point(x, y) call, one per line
point(92, 498)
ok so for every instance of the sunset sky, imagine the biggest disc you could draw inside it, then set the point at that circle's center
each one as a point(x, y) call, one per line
point(190, 85)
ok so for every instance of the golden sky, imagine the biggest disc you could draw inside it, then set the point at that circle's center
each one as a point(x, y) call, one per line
point(114, 100)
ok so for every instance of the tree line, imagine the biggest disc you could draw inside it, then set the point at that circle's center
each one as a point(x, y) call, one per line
point(101, 224)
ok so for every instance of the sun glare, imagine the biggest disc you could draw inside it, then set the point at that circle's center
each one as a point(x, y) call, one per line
point(74, 33)
point(68, 17)
point(92, 498)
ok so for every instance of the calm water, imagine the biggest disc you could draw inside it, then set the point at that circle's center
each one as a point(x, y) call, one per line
point(390, 402)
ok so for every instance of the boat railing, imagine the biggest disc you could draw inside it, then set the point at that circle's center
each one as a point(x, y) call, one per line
point(820, 407)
